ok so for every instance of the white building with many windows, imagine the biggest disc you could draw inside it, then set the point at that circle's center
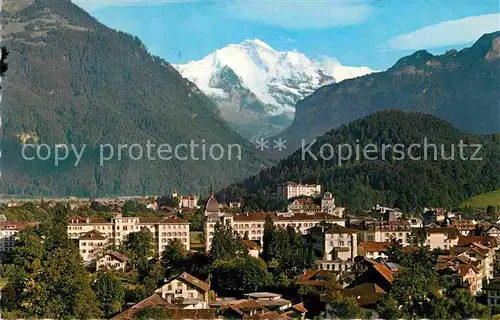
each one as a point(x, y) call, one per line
point(117, 228)
point(292, 189)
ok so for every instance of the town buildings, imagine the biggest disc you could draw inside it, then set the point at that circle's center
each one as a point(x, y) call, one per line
point(114, 230)
point(252, 224)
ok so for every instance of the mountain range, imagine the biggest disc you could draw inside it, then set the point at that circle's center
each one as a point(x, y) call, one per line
point(72, 80)
point(461, 87)
point(256, 87)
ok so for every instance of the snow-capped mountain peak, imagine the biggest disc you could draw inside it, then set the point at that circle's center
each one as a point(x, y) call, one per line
point(277, 78)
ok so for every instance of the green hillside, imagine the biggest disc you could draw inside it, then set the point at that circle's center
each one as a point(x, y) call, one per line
point(484, 200)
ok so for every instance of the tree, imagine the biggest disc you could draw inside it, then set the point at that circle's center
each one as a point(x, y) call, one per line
point(3, 63)
point(131, 206)
point(47, 278)
point(491, 211)
point(238, 276)
point(139, 246)
point(345, 307)
point(110, 294)
point(173, 258)
point(269, 239)
point(226, 245)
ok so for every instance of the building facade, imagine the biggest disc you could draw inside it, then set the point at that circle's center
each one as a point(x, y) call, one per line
point(291, 189)
point(337, 245)
point(117, 228)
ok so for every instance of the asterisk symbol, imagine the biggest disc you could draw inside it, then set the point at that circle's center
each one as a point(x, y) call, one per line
point(279, 144)
point(261, 144)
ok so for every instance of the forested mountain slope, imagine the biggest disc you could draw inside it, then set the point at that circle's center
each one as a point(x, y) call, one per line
point(396, 181)
point(72, 80)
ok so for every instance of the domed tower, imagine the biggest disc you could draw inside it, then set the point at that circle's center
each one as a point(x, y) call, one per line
point(212, 205)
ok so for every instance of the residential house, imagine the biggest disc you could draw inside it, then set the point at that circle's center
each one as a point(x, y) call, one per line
point(185, 290)
point(460, 271)
point(254, 249)
point(112, 260)
point(373, 250)
point(303, 205)
point(322, 280)
point(493, 231)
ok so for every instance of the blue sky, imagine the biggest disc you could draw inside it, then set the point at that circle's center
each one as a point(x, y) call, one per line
point(356, 32)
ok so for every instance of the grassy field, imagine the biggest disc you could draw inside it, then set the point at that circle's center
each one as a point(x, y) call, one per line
point(484, 200)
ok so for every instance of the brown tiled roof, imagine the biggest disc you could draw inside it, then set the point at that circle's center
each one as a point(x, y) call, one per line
point(384, 271)
point(248, 305)
point(372, 246)
point(154, 300)
point(365, 294)
point(194, 281)
point(92, 235)
point(251, 244)
point(299, 307)
point(261, 216)
point(478, 239)
point(317, 277)
point(271, 315)
point(173, 220)
point(195, 314)
point(16, 225)
point(118, 256)
point(338, 229)
point(150, 220)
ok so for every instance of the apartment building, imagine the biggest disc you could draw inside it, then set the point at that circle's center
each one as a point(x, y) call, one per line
point(253, 223)
point(442, 238)
point(385, 231)
point(337, 245)
point(116, 229)
point(292, 189)
point(92, 245)
point(8, 234)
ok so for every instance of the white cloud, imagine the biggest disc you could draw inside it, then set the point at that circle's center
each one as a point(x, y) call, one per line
point(446, 33)
point(96, 4)
point(300, 14)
